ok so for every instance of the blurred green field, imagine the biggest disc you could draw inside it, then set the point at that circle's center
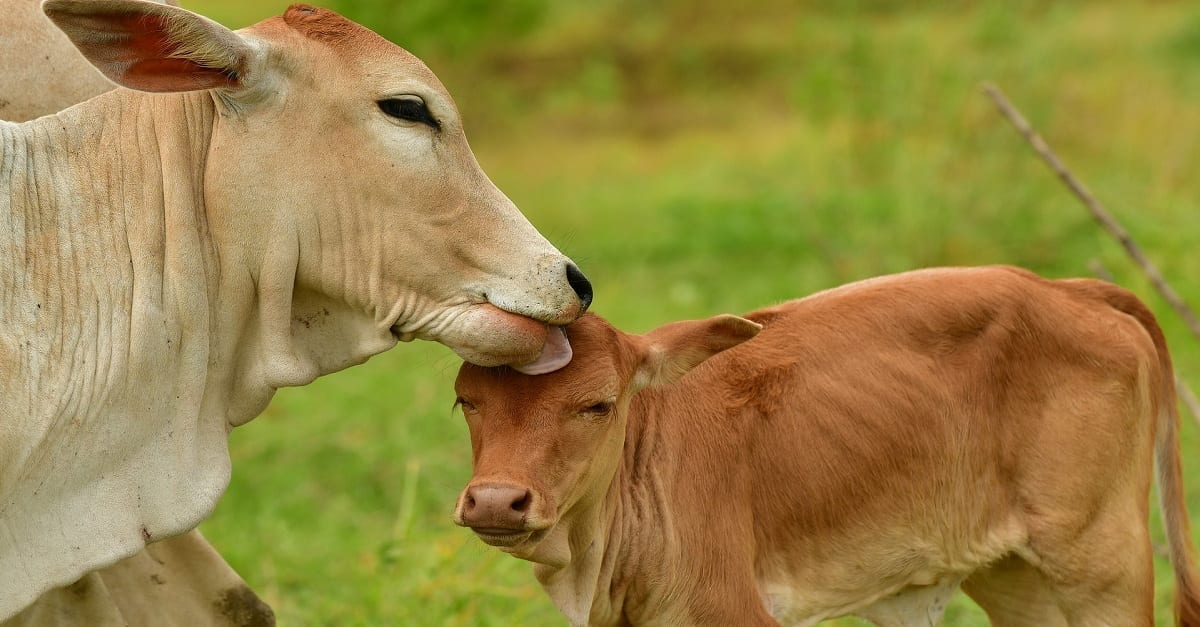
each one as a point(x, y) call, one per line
point(703, 157)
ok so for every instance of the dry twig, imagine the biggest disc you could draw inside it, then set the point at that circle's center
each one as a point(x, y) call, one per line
point(1102, 216)
point(1189, 399)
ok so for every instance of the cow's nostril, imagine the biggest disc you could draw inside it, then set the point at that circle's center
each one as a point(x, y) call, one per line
point(581, 285)
point(521, 504)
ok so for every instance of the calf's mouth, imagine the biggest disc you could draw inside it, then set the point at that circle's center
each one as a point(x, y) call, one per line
point(502, 538)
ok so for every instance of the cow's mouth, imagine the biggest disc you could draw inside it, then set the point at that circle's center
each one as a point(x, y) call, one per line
point(486, 335)
point(556, 353)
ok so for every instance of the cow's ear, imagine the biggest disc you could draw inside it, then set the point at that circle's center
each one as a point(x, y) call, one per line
point(674, 349)
point(153, 47)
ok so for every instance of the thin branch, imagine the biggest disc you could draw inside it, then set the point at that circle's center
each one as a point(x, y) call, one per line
point(1100, 271)
point(1189, 399)
point(1182, 390)
point(1098, 212)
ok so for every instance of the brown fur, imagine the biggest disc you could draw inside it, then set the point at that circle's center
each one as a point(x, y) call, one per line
point(873, 448)
point(330, 28)
point(319, 24)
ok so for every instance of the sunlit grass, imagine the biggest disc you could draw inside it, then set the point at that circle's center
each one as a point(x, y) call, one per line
point(695, 161)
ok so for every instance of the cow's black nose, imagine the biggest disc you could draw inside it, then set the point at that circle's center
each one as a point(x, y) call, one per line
point(581, 285)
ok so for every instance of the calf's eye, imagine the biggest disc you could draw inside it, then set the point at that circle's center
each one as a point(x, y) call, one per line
point(410, 109)
point(467, 406)
point(598, 410)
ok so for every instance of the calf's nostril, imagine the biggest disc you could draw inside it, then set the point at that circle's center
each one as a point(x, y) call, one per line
point(496, 506)
point(581, 285)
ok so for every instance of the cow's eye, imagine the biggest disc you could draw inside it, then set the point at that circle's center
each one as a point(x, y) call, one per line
point(467, 406)
point(409, 108)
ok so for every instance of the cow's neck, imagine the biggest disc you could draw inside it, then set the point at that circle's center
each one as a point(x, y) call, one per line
point(624, 544)
point(112, 433)
point(107, 285)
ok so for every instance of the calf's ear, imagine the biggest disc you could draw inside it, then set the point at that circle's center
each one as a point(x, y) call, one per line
point(674, 349)
point(154, 47)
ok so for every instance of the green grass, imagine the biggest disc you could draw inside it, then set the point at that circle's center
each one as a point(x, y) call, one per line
point(695, 159)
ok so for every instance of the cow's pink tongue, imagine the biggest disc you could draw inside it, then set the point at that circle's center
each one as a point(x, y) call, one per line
point(556, 353)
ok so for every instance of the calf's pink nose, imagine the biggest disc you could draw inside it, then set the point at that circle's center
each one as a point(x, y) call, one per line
point(491, 506)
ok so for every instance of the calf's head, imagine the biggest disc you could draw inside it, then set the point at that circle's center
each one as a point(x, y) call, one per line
point(546, 447)
point(337, 171)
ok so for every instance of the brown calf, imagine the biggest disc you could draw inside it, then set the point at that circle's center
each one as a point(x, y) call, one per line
point(871, 450)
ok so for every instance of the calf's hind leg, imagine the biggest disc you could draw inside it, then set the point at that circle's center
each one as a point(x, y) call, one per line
point(1102, 575)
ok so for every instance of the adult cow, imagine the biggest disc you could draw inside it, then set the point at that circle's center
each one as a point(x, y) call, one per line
point(181, 580)
point(873, 448)
point(297, 197)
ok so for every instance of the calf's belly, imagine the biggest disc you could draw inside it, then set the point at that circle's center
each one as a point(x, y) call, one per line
point(885, 577)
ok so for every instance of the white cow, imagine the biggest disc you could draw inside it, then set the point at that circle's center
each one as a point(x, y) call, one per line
point(298, 197)
point(181, 580)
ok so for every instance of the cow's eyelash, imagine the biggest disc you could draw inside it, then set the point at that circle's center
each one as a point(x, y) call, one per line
point(410, 109)
point(599, 409)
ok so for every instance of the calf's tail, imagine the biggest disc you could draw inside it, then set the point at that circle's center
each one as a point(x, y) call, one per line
point(1171, 497)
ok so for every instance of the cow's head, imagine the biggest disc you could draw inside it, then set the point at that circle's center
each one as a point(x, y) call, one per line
point(338, 176)
point(546, 447)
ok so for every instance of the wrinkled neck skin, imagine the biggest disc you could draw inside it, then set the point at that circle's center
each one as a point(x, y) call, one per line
point(132, 342)
point(600, 562)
